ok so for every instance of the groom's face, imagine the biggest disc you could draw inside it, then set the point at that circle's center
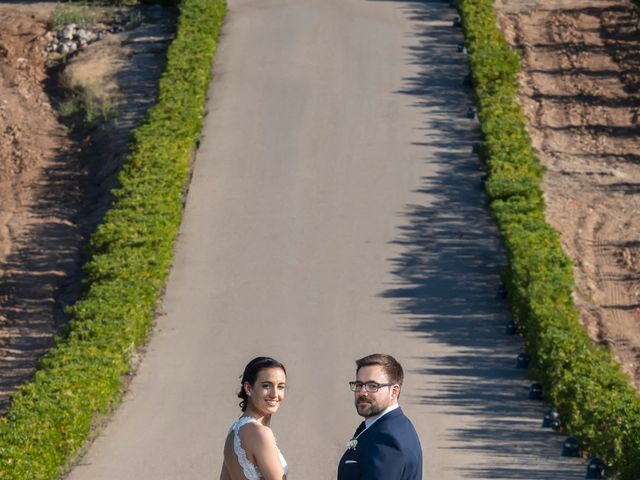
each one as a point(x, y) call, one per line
point(369, 404)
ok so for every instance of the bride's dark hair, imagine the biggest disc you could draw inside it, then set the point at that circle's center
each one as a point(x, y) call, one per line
point(251, 372)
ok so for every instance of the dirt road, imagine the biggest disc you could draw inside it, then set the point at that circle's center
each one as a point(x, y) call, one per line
point(335, 210)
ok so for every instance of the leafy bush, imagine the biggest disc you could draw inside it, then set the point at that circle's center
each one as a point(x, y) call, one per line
point(80, 379)
point(582, 380)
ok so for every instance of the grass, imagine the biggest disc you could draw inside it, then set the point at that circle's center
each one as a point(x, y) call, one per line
point(82, 15)
point(87, 15)
point(86, 107)
point(134, 19)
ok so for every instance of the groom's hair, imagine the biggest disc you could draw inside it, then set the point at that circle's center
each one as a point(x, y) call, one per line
point(389, 365)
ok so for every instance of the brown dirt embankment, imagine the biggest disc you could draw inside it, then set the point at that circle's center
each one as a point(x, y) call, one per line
point(39, 180)
point(54, 184)
point(580, 90)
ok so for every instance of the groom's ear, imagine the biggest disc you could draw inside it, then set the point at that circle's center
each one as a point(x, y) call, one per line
point(395, 391)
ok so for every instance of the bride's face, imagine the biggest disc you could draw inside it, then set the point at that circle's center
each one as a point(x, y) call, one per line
point(267, 393)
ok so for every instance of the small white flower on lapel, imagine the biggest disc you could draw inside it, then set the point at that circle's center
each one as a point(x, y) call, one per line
point(352, 444)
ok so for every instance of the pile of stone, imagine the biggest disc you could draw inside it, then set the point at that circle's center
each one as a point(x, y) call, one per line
point(71, 38)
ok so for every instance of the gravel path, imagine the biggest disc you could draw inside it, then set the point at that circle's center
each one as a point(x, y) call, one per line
point(335, 210)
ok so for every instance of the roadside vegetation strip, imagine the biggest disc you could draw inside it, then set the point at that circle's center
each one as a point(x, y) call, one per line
point(80, 379)
point(582, 380)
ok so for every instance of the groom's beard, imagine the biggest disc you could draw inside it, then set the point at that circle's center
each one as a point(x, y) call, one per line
point(367, 409)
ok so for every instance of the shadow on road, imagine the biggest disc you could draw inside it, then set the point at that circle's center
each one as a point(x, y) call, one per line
point(448, 272)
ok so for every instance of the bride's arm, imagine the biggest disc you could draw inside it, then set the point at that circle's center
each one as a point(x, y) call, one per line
point(265, 451)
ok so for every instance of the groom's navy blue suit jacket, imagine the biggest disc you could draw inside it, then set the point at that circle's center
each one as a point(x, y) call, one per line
point(387, 450)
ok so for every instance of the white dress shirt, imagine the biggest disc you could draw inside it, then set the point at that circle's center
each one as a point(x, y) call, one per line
point(371, 420)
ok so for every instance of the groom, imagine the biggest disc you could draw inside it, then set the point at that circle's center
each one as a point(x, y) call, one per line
point(385, 446)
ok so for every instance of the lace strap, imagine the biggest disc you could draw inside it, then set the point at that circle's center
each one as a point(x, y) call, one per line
point(249, 469)
point(242, 421)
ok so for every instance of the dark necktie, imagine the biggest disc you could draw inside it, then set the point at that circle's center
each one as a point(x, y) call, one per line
point(360, 429)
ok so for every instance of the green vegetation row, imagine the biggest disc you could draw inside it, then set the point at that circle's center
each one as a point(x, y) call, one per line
point(582, 380)
point(81, 379)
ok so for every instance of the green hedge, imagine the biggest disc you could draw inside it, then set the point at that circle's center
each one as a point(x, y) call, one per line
point(79, 380)
point(582, 380)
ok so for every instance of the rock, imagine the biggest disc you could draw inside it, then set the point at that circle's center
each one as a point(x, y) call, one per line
point(86, 36)
point(68, 32)
point(82, 34)
point(67, 47)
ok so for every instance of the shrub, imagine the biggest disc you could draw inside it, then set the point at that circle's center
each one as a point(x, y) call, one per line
point(80, 379)
point(582, 380)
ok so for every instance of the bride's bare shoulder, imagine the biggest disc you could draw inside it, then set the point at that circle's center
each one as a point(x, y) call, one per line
point(255, 435)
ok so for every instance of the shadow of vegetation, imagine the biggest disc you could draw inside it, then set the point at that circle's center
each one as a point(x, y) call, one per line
point(605, 73)
point(447, 274)
point(627, 188)
point(611, 156)
point(138, 84)
point(592, 100)
point(44, 263)
point(597, 130)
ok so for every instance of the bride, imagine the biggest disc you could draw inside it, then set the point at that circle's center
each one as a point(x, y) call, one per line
point(250, 450)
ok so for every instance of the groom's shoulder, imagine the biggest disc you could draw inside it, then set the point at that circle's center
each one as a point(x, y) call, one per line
point(396, 417)
point(398, 424)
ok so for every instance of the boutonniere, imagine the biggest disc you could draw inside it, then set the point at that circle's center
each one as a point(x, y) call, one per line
point(352, 444)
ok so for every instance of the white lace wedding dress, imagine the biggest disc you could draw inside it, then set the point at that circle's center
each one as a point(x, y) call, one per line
point(249, 469)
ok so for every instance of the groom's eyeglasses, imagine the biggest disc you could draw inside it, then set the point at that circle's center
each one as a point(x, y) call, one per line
point(370, 387)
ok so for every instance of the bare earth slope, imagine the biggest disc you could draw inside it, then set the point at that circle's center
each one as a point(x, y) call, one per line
point(580, 91)
point(54, 189)
point(37, 230)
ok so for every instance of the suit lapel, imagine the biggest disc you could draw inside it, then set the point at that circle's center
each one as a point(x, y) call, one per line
point(359, 429)
point(385, 418)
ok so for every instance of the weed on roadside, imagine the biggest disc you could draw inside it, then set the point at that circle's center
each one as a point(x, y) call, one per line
point(81, 15)
point(86, 107)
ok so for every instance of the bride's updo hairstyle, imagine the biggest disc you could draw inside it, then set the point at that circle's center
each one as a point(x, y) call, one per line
point(251, 372)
